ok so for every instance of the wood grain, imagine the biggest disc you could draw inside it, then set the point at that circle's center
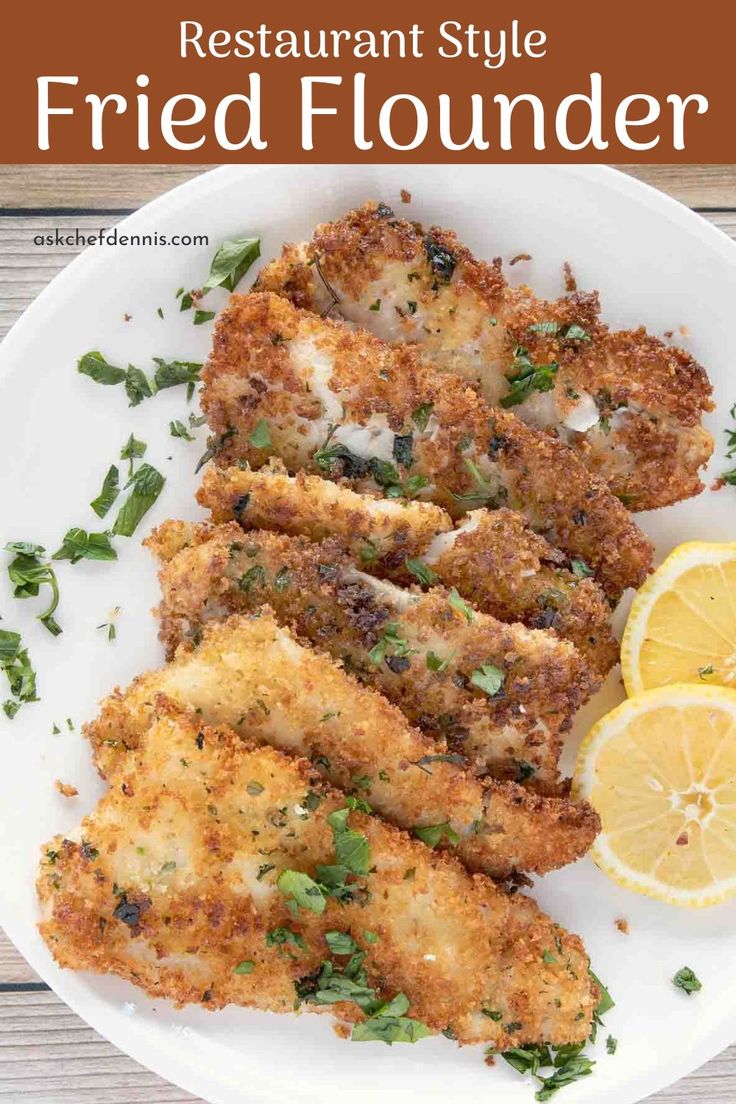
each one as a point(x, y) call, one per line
point(47, 1054)
point(128, 186)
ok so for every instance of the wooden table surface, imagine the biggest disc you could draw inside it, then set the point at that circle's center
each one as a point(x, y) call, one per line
point(47, 1054)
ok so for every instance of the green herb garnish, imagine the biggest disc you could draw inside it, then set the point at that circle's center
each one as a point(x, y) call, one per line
point(108, 494)
point(488, 678)
point(78, 545)
point(421, 415)
point(231, 262)
point(16, 664)
point(433, 834)
point(147, 484)
point(421, 571)
point(460, 605)
point(261, 435)
point(686, 980)
point(178, 429)
point(525, 378)
point(28, 573)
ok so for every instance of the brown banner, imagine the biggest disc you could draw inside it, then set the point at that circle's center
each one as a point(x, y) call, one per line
point(469, 81)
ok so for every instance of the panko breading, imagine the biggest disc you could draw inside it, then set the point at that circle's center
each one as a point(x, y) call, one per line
point(330, 399)
point(629, 405)
point(251, 674)
point(195, 878)
point(501, 695)
point(493, 558)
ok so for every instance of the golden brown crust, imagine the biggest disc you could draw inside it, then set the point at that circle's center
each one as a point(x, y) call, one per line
point(171, 883)
point(650, 454)
point(252, 675)
point(496, 562)
point(417, 648)
point(262, 368)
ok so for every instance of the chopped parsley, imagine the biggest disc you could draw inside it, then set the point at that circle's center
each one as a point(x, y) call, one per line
point(146, 485)
point(572, 332)
point(434, 663)
point(108, 494)
point(433, 834)
point(340, 943)
point(231, 262)
point(277, 937)
point(137, 384)
point(111, 630)
point(244, 967)
point(525, 378)
point(389, 1024)
point(261, 435)
point(201, 316)
point(351, 848)
point(421, 571)
point(131, 451)
point(16, 664)
point(78, 545)
point(390, 644)
point(611, 1044)
point(488, 678)
point(95, 366)
point(375, 306)
point(178, 429)
point(581, 569)
point(686, 980)
point(460, 605)
point(28, 572)
point(302, 890)
point(421, 415)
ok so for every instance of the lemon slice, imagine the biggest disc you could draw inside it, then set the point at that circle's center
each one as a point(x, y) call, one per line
point(661, 772)
point(682, 624)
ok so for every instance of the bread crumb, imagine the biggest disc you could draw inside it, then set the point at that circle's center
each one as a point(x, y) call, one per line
point(622, 925)
point(405, 196)
point(65, 789)
point(520, 257)
point(571, 283)
point(684, 331)
point(127, 317)
point(341, 1030)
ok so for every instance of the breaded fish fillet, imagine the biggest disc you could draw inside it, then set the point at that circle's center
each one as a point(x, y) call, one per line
point(501, 695)
point(629, 405)
point(493, 558)
point(218, 872)
point(330, 399)
point(251, 674)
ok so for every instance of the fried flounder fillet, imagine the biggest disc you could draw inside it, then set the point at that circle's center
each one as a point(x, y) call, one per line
point(501, 695)
point(629, 405)
point(327, 398)
point(493, 558)
point(218, 872)
point(251, 674)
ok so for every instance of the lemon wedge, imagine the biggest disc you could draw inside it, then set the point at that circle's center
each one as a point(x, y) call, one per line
point(660, 769)
point(682, 624)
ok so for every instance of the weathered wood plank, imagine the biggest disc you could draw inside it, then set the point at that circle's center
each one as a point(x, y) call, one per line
point(125, 186)
point(48, 1056)
point(13, 967)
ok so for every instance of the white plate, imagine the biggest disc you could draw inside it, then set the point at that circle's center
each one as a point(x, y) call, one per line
point(655, 263)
